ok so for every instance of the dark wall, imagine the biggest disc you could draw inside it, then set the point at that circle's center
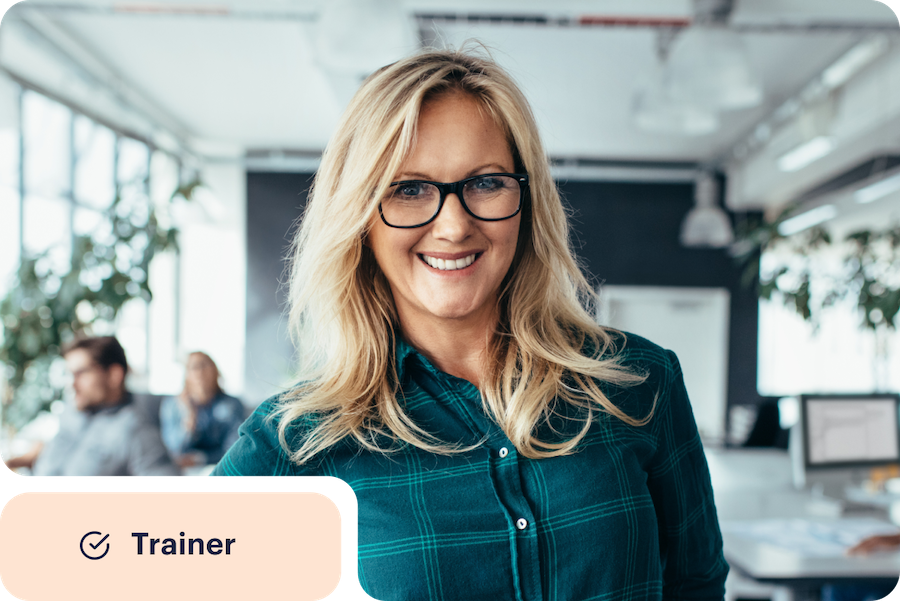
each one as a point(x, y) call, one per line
point(274, 202)
point(624, 234)
point(627, 234)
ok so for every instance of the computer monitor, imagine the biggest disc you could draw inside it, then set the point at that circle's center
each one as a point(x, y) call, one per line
point(850, 430)
point(838, 438)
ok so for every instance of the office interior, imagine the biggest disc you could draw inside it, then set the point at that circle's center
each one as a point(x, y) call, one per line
point(717, 158)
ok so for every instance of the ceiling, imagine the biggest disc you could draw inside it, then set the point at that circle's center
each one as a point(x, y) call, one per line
point(234, 76)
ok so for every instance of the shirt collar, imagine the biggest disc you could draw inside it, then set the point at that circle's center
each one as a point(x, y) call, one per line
point(126, 399)
point(402, 351)
point(410, 358)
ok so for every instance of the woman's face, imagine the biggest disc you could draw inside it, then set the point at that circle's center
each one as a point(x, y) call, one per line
point(201, 378)
point(455, 141)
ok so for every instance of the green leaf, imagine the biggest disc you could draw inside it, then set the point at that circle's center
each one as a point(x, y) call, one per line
point(31, 337)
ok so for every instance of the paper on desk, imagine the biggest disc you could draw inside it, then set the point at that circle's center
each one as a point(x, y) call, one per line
point(810, 538)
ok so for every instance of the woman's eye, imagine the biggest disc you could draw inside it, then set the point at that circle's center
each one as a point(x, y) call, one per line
point(409, 190)
point(487, 183)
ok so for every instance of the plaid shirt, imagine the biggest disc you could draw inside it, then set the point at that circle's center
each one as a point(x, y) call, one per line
point(629, 516)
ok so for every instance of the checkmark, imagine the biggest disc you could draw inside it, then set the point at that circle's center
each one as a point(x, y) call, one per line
point(100, 543)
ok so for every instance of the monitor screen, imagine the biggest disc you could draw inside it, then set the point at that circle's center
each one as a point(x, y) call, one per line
point(851, 430)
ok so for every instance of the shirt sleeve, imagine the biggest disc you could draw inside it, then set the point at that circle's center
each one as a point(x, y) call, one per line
point(147, 455)
point(257, 451)
point(678, 480)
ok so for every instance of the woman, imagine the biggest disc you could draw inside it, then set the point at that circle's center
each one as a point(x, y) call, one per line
point(501, 445)
point(201, 423)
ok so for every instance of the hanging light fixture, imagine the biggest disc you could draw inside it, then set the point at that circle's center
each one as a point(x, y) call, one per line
point(708, 66)
point(357, 37)
point(655, 110)
point(706, 224)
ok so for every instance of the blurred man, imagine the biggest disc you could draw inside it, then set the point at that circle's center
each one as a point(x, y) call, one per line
point(107, 434)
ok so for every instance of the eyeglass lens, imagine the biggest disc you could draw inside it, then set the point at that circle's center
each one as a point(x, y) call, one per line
point(415, 203)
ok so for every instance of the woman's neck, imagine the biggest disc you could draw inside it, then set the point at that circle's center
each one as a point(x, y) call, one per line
point(200, 397)
point(455, 347)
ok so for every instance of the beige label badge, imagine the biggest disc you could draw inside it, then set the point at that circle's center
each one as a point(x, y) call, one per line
point(137, 546)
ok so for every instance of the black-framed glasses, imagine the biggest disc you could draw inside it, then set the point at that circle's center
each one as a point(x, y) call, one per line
point(488, 197)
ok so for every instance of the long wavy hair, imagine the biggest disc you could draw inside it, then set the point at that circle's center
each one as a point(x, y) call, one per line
point(546, 348)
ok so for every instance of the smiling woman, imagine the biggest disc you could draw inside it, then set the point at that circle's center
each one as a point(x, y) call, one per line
point(433, 294)
point(500, 443)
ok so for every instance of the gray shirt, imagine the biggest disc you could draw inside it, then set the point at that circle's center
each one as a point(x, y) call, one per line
point(112, 441)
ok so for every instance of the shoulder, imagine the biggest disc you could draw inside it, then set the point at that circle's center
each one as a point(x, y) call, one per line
point(227, 407)
point(130, 415)
point(638, 353)
point(258, 450)
point(227, 399)
point(658, 367)
point(261, 426)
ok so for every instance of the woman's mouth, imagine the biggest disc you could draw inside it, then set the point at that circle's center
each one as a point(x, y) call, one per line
point(449, 264)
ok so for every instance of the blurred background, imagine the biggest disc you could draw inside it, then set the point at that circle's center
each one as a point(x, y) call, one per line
point(732, 169)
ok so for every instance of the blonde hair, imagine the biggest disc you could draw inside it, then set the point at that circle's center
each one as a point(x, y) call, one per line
point(342, 313)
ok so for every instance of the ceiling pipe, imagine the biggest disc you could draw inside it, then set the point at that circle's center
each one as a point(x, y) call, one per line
point(310, 14)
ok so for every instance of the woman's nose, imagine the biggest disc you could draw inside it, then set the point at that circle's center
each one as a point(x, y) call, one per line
point(453, 223)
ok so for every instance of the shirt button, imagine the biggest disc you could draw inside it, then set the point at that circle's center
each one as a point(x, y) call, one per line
point(504, 452)
point(521, 523)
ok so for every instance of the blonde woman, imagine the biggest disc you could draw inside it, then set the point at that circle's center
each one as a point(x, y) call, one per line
point(201, 423)
point(500, 443)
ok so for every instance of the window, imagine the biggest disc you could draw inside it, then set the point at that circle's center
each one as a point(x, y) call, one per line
point(10, 205)
point(838, 356)
point(72, 169)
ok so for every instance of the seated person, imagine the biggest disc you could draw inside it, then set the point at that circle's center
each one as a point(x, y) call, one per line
point(201, 423)
point(873, 544)
point(106, 434)
point(864, 592)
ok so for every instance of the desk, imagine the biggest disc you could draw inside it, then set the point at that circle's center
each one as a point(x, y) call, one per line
point(805, 575)
point(755, 484)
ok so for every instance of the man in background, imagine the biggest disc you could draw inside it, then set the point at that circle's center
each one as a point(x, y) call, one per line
point(107, 434)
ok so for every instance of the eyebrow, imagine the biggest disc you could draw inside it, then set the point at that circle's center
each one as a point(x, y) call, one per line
point(418, 175)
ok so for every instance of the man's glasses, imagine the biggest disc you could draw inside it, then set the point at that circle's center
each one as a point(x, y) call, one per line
point(489, 197)
point(80, 372)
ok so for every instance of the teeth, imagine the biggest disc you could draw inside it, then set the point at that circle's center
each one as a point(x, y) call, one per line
point(449, 264)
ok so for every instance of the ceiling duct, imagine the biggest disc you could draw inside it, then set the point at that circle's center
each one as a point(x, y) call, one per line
point(860, 175)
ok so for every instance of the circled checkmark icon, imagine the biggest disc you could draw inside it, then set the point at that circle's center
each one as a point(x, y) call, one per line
point(93, 546)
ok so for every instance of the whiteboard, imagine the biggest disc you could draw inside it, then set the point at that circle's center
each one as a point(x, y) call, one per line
point(692, 322)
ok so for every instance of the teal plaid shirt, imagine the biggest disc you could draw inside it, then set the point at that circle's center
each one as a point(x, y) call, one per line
point(629, 516)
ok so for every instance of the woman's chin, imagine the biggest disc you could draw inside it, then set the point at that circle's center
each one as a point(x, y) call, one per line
point(459, 311)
